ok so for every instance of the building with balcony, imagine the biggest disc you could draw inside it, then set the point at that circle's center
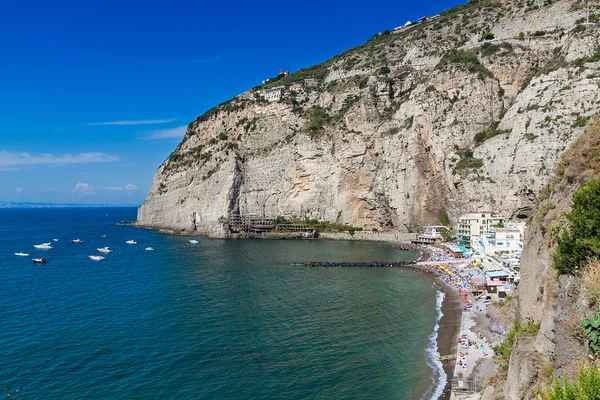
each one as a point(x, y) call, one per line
point(474, 225)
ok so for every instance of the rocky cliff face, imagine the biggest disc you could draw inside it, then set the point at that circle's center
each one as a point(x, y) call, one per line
point(391, 133)
point(558, 303)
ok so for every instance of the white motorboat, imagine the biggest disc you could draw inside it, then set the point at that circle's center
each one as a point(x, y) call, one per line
point(77, 241)
point(22, 254)
point(103, 236)
point(193, 241)
point(104, 249)
point(96, 258)
point(56, 240)
point(43, 246)
point(39, 260)
point(149, 249)
point(131, 242)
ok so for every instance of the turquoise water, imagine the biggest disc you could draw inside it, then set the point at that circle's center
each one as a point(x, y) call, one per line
point(216, 320)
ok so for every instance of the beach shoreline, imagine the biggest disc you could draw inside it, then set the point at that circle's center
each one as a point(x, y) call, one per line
point(448, 332)
point(449, 324)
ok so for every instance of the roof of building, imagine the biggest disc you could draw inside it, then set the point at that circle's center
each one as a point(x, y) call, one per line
point(497, 274)
point(494, 283)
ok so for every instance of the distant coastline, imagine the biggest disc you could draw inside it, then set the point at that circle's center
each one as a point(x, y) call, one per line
point(21, 204)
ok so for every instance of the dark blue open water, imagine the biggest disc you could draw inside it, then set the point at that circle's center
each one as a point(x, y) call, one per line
point(217, 320)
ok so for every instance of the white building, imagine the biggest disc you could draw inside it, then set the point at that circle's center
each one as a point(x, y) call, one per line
point(273, 94)
point(473, 225)
point(431, 233)
point(506, 240)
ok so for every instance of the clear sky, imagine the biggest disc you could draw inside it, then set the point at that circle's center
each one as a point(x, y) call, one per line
point(94, 95)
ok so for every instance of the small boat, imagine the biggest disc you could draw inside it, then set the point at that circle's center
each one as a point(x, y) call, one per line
point(39, 260)
point(43, 246)
point(77, 241)
point(149, 249)
point(104, 249)
point(56, 240)
point(131, 242)
point(193, 241)
point(22, 254)
point(96, 258)
point(103, 236)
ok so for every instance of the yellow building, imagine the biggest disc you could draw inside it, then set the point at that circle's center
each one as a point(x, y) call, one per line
point(473, 225)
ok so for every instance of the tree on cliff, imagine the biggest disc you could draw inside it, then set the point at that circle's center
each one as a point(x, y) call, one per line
point(581, 240)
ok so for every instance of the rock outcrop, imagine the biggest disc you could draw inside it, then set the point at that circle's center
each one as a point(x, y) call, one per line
point(392, 133)
point(557, 303)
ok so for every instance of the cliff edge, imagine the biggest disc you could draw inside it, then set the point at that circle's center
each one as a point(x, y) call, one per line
point(471, 109)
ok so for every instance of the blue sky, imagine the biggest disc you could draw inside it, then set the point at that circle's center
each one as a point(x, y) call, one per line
point(94, 95)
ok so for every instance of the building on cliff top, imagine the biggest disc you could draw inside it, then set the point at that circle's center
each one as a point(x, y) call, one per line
point(273, 94)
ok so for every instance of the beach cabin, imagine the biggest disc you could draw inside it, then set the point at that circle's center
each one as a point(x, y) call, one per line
point(492, 286)
point(430, 234)
point(456, 251)
point(498, 275)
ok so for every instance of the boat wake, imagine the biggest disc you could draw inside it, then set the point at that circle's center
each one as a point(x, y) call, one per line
point(438, 378)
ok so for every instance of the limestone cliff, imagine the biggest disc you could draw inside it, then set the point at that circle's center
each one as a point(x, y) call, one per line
point(558, 303)
point(391, 133)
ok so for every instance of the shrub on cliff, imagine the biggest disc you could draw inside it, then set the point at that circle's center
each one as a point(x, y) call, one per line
point(580, 240)
point(591, 327)
point(587, 386)
point(466, 61)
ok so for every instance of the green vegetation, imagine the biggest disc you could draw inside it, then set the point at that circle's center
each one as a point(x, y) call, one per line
point(384, 70)
point(505, 348)
point(488, 49)
point(466, 61)
point(530, 137)
point(580, 122)
point(591, 327)
point(586, 386)
point(317, 119)
point(467, 162)
point(318, 71)
point(348, 103)
point(388, 112)
point(580, 240)
point(489, 133)
point(444, 218)
point(488, 36)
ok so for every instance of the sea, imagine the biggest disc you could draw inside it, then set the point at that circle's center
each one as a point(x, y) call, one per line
point(220, 319)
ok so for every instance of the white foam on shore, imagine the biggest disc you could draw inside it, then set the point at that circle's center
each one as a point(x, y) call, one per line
point(438, 378)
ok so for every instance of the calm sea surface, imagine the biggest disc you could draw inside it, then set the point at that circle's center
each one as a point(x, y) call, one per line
point(221, 319)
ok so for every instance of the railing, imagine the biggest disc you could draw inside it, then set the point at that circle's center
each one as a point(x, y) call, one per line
point(463, 386)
